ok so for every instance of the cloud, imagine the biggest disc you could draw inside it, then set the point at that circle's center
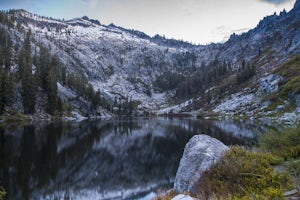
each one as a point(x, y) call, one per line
point(223, 33)
point(276, 1)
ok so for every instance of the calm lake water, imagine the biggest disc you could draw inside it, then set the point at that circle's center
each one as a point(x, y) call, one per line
point(119, 159)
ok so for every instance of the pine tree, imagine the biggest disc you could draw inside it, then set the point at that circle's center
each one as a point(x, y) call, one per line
point(59, 106)
point(44, 68)
point(27, 78)
point(5, 49)
point(52, 94)
point(64, 75)
point(52, 86)
point(6, 90)
point(8, 51)
point(2, 92)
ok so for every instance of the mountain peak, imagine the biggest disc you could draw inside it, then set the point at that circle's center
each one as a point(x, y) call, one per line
point(94, 21)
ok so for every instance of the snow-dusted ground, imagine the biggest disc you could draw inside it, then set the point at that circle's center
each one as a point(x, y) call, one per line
point(109, 56)
point(118, 87)
point(237, 102)
point(64, 93)
point(174, 109)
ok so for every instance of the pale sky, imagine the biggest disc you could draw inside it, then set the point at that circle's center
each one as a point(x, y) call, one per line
point(196, 21)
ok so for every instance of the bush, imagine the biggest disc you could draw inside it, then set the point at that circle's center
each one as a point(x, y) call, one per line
point(167, 196)
point(244, 175)
point(290, 71)
point(2, 193)
point(285, 144)
point(294, 168)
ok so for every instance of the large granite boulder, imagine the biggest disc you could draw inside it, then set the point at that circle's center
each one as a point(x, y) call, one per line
point(199, 154)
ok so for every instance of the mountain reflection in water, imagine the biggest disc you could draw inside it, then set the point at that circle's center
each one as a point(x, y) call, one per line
point(118, 159)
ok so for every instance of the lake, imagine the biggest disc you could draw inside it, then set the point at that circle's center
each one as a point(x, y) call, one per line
point(117, 159)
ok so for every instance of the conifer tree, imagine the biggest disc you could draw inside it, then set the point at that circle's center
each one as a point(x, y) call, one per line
point(64, 75)
point(52, 86)
point(2, 92)
point(5, 49)
point(44, 68)
point(27, 78)
point(6, 90)
point(59, 106)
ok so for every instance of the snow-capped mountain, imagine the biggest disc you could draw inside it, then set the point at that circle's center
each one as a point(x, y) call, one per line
point(124, 64)
point(120, 63)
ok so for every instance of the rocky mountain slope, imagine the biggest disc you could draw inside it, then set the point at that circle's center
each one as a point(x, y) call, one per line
point(125, 65)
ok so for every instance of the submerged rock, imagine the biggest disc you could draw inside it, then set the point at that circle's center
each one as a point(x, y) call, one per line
point(199, 154)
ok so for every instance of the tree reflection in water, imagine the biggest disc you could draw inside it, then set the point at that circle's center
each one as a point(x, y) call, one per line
point(60, 159)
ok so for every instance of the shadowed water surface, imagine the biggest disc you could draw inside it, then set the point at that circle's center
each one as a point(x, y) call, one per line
point(119, 159)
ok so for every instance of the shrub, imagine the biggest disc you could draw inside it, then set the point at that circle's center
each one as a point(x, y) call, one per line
point(285, 144)
point(290, 71)
point(294, 168)
point(167, 196)
point(2, 193)
point(244, 175)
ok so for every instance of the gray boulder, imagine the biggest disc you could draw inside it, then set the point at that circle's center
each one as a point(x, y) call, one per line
point(297, 111)
point(297, 99)
point(269, 84)
point(289, 118)
point(200, 153)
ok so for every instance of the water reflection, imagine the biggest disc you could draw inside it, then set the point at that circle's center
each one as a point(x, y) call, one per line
point(102, 159)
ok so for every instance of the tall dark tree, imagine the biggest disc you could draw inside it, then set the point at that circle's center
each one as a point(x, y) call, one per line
point(245, 72)
point(27, 78)
point(52, 86)
point(6, 90)
point(6, 49)
point(43, 68)
point(6, 84)
point(64, 75)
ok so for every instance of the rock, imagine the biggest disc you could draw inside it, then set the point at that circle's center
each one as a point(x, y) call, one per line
point(288, 118)
point(280, 107)
point(297, 5)
point(297, 111)
point(269, 84)
point(64, 93)
point(182, 197)
point(297, 99)
point(199, 154)
point(265, 105)
point(291, 193)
